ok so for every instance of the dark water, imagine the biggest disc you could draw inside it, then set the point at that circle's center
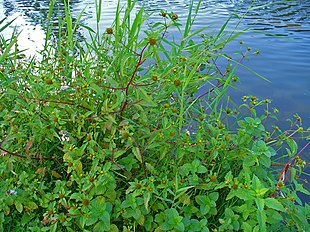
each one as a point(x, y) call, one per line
point(280, 31)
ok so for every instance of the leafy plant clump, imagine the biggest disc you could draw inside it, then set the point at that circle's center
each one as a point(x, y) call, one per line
point(113, 134)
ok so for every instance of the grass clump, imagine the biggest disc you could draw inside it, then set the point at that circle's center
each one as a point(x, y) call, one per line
point(112, 134)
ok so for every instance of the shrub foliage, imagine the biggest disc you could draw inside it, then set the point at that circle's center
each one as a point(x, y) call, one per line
point(113, 134)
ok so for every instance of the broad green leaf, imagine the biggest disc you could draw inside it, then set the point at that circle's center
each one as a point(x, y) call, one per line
point(231, 194)
point(261, 217)
point(105, 221)
point(19, 207)
point(201, 169)
point(101, 226)
point(113, 228)
point(91, 220)
point(274, 204)
point(31, 205)
point(262, 191)
point(260, 203)
point(264, 160)
point(244, 194)
point(214, 196)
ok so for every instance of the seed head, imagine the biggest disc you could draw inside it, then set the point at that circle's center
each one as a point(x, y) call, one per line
point(174, 16)
point(212, 178)
point(125, 135)
point(177, 82)
point(109, 30)
point(152, 41)
point(166, 105)
point(49, 81)
point(234, 186)
point(85, 202)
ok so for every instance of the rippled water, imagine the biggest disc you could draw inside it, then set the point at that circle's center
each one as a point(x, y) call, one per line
point(280, 31)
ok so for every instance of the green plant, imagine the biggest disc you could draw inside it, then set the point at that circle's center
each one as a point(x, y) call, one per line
point(110, 134)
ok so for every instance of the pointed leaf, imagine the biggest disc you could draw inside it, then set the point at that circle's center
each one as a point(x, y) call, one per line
point(274, 204)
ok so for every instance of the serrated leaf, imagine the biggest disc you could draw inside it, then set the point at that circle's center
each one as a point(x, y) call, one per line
point(264, 160)
point(262, 191)
point(249, 160)
point(260, 203)
point(261, 217)
point(244, 194)
point(274, 204)
point(105, 218)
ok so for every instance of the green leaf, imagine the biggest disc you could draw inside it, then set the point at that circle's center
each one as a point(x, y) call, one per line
point(274, 204)
point(147, 100)
point(91, 220)
point(261, 217)
point(19, 207)
point(244, 194)
point(113, 228)
point(1, 218)
point(264, 160)
point(249, 160)
point(293, 145)
point(31, 205)
point(136, 152)
point(300, 188)
point(105, 221)
point(98, 90)
point(119, 153)
point(185, 169)
point(26, 218)
point(146, 198)
point(101, 226)
point(231, 194)
point(246, 227)
point(214, 196)
point(256, 183)
point(262, 191)
point(260, 203)
point(201, 169)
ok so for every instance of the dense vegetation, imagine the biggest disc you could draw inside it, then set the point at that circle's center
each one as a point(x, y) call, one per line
point(112, 134)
